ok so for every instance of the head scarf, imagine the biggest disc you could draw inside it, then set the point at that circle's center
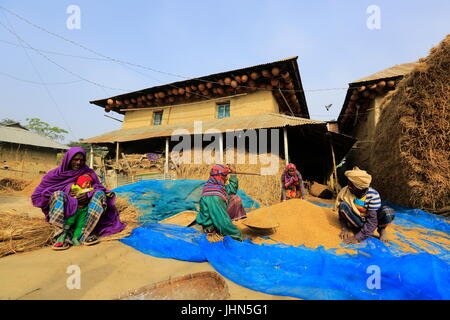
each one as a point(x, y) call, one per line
point(215, 186)
point(61, 179)
point(286, 177)
point(81, 180)
point(359, 178)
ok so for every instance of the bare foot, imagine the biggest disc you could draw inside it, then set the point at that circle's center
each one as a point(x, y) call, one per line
point(345, 234)
point(383, 235)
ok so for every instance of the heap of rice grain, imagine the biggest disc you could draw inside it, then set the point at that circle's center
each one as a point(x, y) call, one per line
point(300, 223)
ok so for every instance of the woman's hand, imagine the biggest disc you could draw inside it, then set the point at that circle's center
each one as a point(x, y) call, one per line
point(73, 193)
point(231, 168)
point(83, 199)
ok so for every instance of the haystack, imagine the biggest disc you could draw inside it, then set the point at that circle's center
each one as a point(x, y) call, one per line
point(410, 158)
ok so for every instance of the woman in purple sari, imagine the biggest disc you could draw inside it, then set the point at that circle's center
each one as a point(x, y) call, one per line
point(61, 205)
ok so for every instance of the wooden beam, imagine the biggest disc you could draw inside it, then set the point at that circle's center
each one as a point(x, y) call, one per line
point(284, 98)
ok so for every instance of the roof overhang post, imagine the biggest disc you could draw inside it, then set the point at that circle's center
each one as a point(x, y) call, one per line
point(166, 164)
point(117, 154)
point(91, 156)
point(221, 147)
point(286, 149)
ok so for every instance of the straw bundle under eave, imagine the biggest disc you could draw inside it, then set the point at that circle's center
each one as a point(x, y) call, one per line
point(19, 233)
point(410, 159)
point(265, 189)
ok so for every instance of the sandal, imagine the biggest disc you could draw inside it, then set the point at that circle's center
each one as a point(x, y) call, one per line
point(91, 240)
point(61, 246)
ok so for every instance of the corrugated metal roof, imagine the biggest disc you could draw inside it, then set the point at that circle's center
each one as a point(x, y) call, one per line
point(270, 120)
point(23, 136)
point(395, 71)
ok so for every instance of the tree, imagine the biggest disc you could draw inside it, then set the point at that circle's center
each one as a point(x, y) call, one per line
point(44, 129)
point(7, 121)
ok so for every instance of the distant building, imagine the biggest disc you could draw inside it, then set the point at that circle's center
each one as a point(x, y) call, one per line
point(361, 110)
point(24, 154)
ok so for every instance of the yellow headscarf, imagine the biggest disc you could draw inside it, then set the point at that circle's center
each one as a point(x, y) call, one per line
point(360, 178)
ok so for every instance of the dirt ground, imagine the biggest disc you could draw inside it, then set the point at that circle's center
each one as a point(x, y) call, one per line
point(107, 268)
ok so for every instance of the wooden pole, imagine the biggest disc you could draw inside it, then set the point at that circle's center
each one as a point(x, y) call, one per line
point(287, 103)
point(221, 148)
point(117, 163)
point(166, 164)
point(286, 150)
point(335, 182)
point(91, 157)
point(117, 154)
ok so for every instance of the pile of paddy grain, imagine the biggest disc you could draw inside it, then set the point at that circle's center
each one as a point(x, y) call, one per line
point(410, 157)
point(299, 223)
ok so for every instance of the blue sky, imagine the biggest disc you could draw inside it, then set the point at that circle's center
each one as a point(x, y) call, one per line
point(196, 38)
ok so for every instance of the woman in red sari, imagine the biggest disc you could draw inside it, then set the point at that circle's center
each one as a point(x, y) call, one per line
point(292, 183)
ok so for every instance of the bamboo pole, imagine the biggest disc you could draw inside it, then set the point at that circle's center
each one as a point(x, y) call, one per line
point(286, 150)
point(166, 164)
point(91, 156)
point(335, 182)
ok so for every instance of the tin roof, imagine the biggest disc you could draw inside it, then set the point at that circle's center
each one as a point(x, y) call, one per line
point(270, 120)
point(20, 135)
point(392, 73)
point(395, 71)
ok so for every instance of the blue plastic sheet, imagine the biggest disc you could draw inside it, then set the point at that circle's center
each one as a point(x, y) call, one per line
point(161, 199)
point(313, 273)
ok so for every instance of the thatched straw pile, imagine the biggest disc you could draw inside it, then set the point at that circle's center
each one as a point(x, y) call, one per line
point(410, 158)
point(266, 189)
point(20, 233)
point(12, 184)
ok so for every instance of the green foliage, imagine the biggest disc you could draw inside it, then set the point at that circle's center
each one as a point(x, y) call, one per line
point(44, 129)
point(7, 121)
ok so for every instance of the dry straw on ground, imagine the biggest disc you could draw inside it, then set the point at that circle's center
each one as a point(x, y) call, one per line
point(128, 215)
point(20, 233)
point(410, 157)
point(13, 184)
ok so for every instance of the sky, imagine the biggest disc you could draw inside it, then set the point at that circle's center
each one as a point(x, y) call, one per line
point(71, 64)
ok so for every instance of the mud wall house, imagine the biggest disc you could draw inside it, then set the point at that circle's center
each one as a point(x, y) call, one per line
point(361, 110)
point(268, 96)
point(26, 155)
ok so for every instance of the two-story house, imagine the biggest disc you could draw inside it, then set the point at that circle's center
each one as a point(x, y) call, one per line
point(244, 102)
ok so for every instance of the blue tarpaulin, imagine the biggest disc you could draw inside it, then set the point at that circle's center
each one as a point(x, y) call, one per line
point(375, 271)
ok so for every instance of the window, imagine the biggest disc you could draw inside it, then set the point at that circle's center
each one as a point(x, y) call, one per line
point(157, 118)
point(223, 110)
